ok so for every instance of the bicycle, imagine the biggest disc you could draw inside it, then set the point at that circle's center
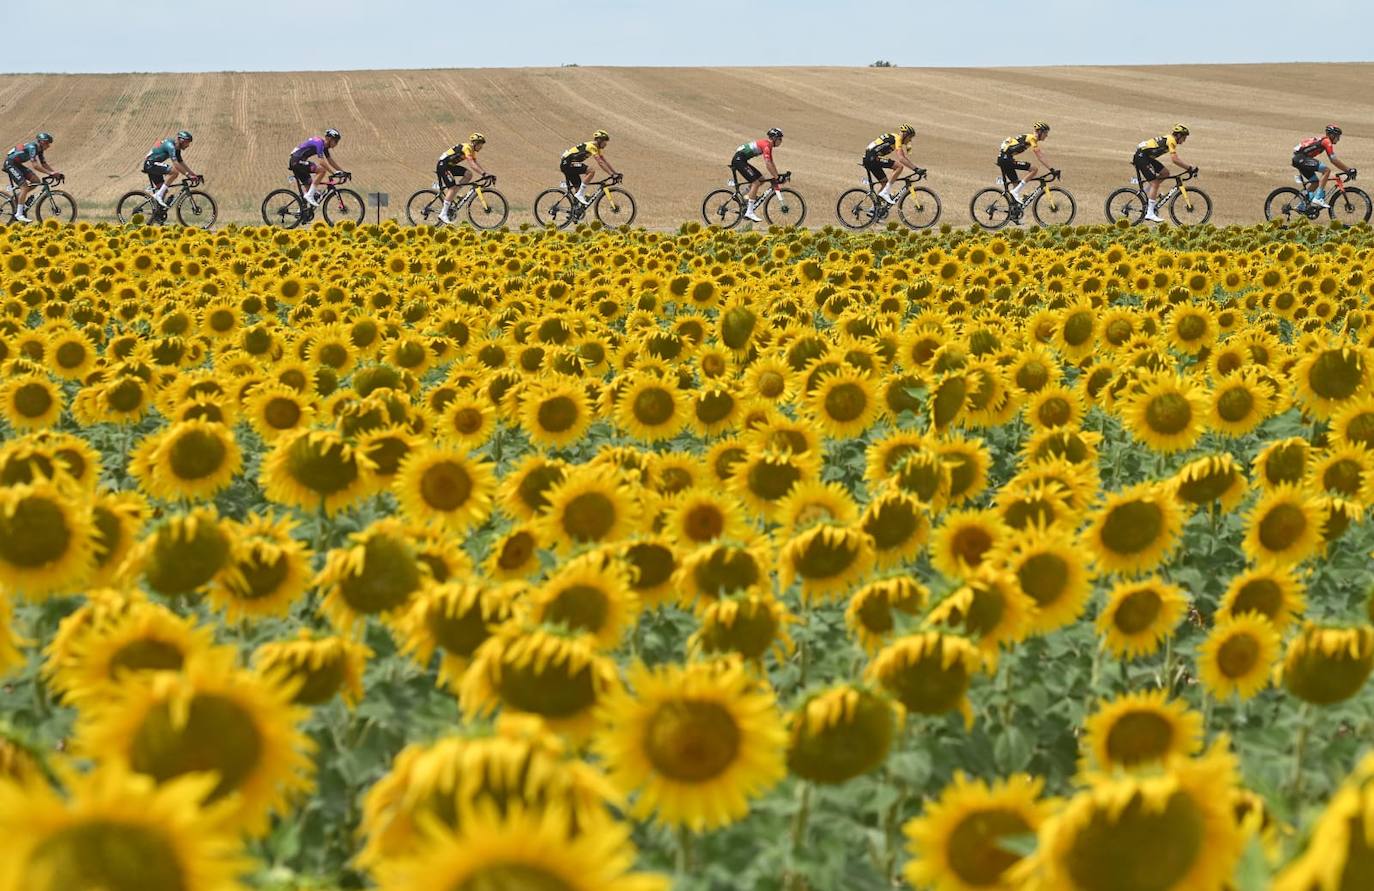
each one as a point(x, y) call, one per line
point(1187, 207)
point(487, 208)
point(994, 207)
point(1345, 203)
point(726, 207)
point(288, 208)
point(47, 203)
point(193, 207)
point(918, 208)
point(560, 208)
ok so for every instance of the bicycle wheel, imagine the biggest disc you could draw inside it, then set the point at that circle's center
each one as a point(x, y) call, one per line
point(554, 207)
point(344, 205)
point(6, 210)
point(197, 210)
point(138, 204)
point(990, 208)
point(283, 208)
point(423, 208)
point(721, 208)
point(856, 209)
point(1350, 206)
point(785, 208)
point(919, 208)
point(1126, 204)
point(615, 208)
point(56, 205)
point(1054, 207)
point(1284, 203)
point(1194, 210)
point(488, 210)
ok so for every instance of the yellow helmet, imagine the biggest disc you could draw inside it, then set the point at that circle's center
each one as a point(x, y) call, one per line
point(1041, 125)
point(477, 137)
point(906, 130)
point(1180, 130)
point(601, 134)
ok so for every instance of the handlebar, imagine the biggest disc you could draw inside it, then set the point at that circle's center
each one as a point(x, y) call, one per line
point(781, 178)
point(485, 179)
point(1346, 176)
point(340, 178)
point(54, 178)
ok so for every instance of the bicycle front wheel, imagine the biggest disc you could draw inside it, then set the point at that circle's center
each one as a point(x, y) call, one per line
point(721, 208)
point(1350, 206)
point(345, 205)
point(990, 208)
point(136, 207)
point(856, 209)
point(785, 208)
point(1054, 207)
point(488, 210)
point(554, 207)
point(1126, 204)
point(919, 208)
point(423, 208)
point(197, 210)
point(615, 208)
point(56, 205)
point(284, 209)
point(1191, 209)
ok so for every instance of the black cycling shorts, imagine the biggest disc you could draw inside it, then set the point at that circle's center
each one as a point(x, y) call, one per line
point(743, 169)
point(156, 172)
point(449, 174)
point(572, 172)
point(1011, 168)
point(1308, 167)
point(304, 171)
point(19, 174)
point(1147, 169)
point(877, 166)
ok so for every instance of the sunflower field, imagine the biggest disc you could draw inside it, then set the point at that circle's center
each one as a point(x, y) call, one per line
point(624, 561)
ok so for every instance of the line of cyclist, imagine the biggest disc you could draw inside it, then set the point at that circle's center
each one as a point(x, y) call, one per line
point(885, 159)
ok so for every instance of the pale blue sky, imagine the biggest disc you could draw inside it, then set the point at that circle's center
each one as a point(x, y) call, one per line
point(268, 35)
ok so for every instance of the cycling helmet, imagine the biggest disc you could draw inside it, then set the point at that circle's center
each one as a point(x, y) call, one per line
point(601, 134)
point(774, 133)
point(184, 134)
point(43, 136)
point(1039, 126)
point(906, 130)
point(332, 134)
point(477, 137)
point(1180, 130)
point(1333, 130)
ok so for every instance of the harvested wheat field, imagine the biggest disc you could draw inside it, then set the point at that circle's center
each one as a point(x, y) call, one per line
point(674, 129)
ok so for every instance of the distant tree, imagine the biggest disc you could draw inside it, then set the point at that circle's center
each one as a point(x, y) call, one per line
point(569, 65)
point(883, 63)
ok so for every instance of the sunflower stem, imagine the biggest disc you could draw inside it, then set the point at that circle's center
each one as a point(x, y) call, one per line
point(1299, 753)
point(1167, 681)
point(684, 850)
point(802, 816)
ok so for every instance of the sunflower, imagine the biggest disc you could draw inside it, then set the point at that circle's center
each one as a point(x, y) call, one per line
point(117, 518)
point(443, 486)
point(1337, 857)
point(964, 540)
point(1283, 462)
point(386, 449)
point(522, 848)
point(695, 743)
point(1215, 479)
point(870, 615)
point(208, 718)
point(1054, 407)
point(1037, 505)
point(591, 505)
point(764, 478)
point(315, 669)
point(811, 502)
point(1239, 404)
point(588, 595)
point(525, 488)
point(1325, 665)
point(539, 671)
point(48, 539)
point(957, 842)
point(1139, 615)
point(515, 555)
point(1283, 527)
point(30, 402)
point(11, 655)
point(1274, 592)
point(928, 673)
point(454, 619)
point(990, 610)
point(827, 559)
point(1328, 378)
point(119, 830)
point(770, 378)
point(649, 408)
point(1353, 423)
point(1184, 811)
point(378, 574)
point(1345, 472)
point(1139, 730)
point(1135, 529)
point(315, 470)
point(192, 460)
point(898, 525)
point(147, 638)
point(700, 516)
point(266, 572)
point(968, 461)
point(555, 412)
point(1049, 569)
point(276, 410)
point(1168, 415)
point(844, 404)
point(841, 733)
point(1238, 656)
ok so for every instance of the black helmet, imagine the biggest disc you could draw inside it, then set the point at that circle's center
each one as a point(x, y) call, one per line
point(1040, 126)
point(184, 134)
point(43, 136)
point(333, 134)
point(774, 133)
point(1333, 131)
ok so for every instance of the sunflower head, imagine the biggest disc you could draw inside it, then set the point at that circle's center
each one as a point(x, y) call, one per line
point(841, 734)
point(1325, 665)
point(1139, 730)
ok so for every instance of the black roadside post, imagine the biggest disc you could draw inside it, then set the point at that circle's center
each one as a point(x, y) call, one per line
point(379, 200)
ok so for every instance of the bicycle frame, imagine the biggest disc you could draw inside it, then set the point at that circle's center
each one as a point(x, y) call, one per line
point(774, 182)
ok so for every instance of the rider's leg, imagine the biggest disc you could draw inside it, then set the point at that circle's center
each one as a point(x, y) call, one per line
point(167, 182)
point(25, 190)
point(1326, 178)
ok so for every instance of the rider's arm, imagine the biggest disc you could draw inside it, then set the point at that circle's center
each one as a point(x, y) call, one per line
point(903, 157)
point(605, 165)
point(481, 171)
point(1179, 162)
point(1345, 168)
point(181, 168)
point(1039, 156)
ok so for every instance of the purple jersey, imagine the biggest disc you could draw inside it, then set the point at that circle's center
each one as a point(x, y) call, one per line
point(309, 149)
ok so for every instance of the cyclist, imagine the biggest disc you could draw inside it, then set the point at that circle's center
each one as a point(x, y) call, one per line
point(164, 164)
point(451, 165)
point(884, 169)
point(742, 167)
point(22, 179)
point(574, 169)
point(1015, 145)
point(310, 174)
point(1305, 158)
point(1150, 172)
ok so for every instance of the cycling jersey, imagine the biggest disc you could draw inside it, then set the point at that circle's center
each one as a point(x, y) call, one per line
point(1160, 145)
point(755, 148)
point(166, 150)
point(310, 148)
point(581, 152)
point(1015, 145)
point(1314, 146)
point(24, 153)
point(458, 154)
point(883, 145)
